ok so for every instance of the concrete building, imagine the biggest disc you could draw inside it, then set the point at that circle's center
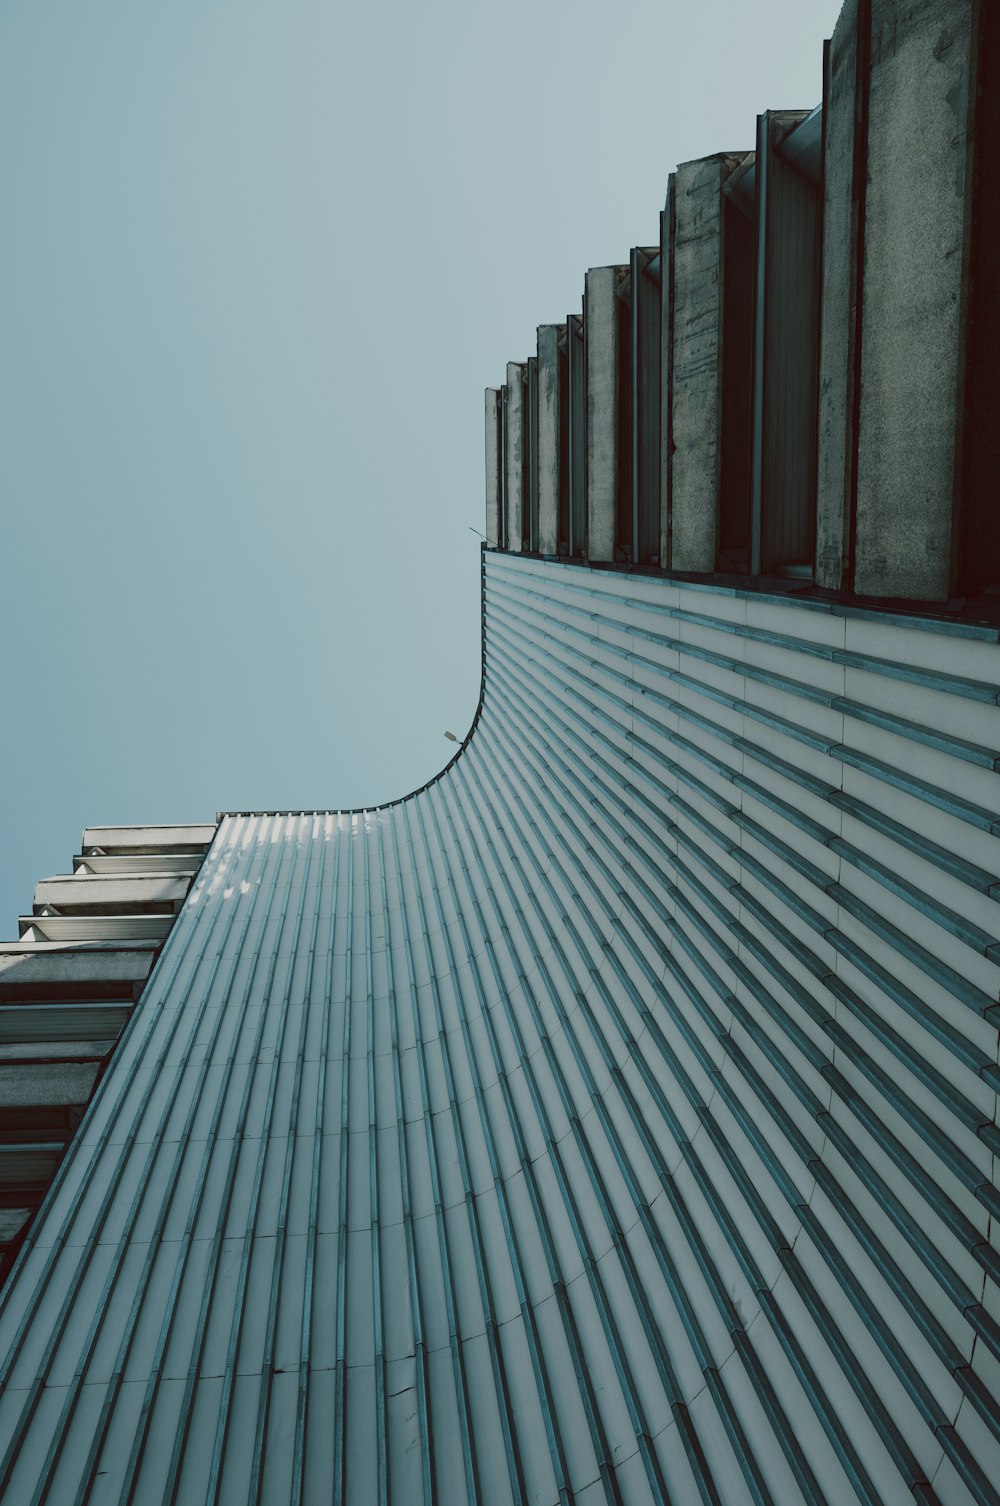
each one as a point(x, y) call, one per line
point(613, 1119)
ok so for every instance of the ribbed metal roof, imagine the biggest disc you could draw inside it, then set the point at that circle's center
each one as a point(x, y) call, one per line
point(613, 1121)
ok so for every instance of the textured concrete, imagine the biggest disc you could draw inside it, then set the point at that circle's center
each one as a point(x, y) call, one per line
point(697, 361)
point(114, 894)
point(602, 410)
point(29, 1048)
point(576, 447)
point(11, 1220)
point(45, 1085)
point(836, 357)
point(979, 547)
point(646, 445)
point(667, 233)
point(549, 456)
point(492, 466)
point(912, 300)
point(514, 458)
point(530, 452)
point(31, 968)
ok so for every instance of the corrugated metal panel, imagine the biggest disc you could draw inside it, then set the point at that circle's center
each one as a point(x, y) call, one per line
point(614, 1120)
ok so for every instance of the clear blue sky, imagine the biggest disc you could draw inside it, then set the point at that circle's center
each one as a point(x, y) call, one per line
point(259, 261)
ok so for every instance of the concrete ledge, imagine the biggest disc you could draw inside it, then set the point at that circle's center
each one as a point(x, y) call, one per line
point(51, 970)
point(838, 293)
point(83, 891)
point(138, 865)
point(37, 1085)
point(148, 838)
point(150, 928)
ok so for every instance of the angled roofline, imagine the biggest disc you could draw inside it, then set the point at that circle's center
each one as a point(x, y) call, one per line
point(930, 617)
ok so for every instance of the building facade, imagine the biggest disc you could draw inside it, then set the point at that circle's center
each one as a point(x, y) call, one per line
point(614, 1119)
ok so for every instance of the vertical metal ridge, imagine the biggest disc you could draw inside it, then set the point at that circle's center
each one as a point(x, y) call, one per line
point(671, 1386)
point(340, 1418)
point(654, 1472)
point(592, 1415)
point(422, 1385)
point(181, 1434)
point(460, 1380)
point(319, 1106)
point(273, 1305)
point(373, 1195)
point(679, 1075)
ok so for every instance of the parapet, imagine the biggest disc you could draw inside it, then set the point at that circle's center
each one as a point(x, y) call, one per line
point(799, 383)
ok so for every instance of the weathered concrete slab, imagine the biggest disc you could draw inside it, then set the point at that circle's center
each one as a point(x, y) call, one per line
point(99, 891)
point(841, 225)
point(549, 445)
point(576, 404)
point(11, 1222)
point(514, 498)
point(915, 226)
point(668, 231)
point(493, 415)
point(41, 1085)
point(600, 314)
point(696, 419)
point(645, 406)
point(57, 970)
point(530, 454)
point(148, 838)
